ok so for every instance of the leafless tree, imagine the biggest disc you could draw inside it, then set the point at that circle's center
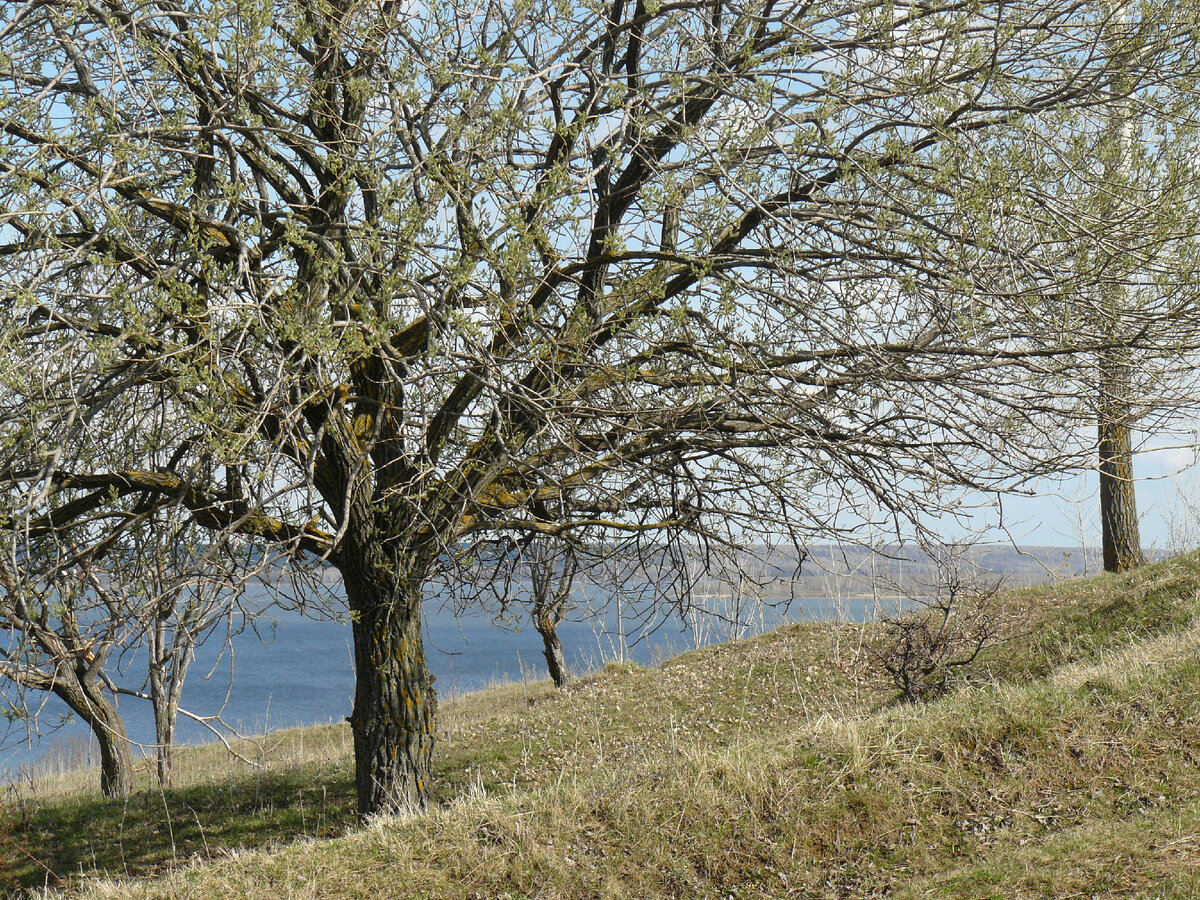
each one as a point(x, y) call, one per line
point(176, 591)
point(367, 281)
point(552, 577)
point(93, 622)
point(58, 635)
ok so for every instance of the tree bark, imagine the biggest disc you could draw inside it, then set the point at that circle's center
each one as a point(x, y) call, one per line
point(166, 710)
point(164, 749)
point(1120, 536)
point(87, 700)
point(169, 662)
point(547, 627)
point(395, 704)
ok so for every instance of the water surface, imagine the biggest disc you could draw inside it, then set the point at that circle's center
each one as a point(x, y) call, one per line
point(299, 671)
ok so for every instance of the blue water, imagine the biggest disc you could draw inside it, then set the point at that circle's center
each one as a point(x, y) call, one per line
point(299, 671)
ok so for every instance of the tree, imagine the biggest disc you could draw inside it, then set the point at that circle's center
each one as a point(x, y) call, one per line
point(176, 591)
point(545, 577)
point(1114, 202)
point(947, 624)
point(365, 281)
point(138, 607)
point(1130, 194)
point(538, 576)
point(1120, 536)
point(551, 588)
point(60, 635)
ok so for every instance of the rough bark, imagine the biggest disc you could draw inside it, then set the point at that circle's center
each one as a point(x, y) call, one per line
point(85, 697)
point(547, 626)
point(1120, 536)
point(395, 704)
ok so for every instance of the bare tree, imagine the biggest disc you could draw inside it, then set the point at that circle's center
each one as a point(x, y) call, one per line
point(367, 281)
point(58, 636)
point(949, 622)
point(140, 609)
point(177, 591)
point(552, 577)
point(625, 588)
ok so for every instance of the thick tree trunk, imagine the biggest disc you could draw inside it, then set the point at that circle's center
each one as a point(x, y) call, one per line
point(552, 647)
point(1120, 536)
point(394, 700)
point(87, 699)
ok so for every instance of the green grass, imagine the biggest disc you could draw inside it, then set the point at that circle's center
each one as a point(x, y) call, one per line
point(1066, 765)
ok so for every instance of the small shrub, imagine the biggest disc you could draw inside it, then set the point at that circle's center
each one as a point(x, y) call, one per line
point(920, 650)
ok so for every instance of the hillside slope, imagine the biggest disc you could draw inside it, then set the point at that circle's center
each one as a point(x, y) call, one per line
point(1064, 764)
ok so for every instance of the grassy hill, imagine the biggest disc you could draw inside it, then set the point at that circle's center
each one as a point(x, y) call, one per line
point(1066, 763)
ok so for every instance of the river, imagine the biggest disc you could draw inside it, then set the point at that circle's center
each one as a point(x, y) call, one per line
point(299, 671)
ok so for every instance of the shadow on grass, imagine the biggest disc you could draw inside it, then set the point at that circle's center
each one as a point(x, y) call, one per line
point(48, 843)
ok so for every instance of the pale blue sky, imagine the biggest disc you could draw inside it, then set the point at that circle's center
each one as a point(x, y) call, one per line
point(1066, 513)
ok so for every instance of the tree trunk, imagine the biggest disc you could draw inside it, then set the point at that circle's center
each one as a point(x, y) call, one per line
point(1120, 536)
point(169, 662)
point(165, 699)
point(164, 750)
point(86, 698)
point(552, 647)
point(551, 596)
point(394, 700)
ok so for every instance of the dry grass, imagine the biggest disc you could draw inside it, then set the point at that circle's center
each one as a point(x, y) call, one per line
point(1067, 766)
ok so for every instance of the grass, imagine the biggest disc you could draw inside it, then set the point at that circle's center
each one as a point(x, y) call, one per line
point(1066, 764)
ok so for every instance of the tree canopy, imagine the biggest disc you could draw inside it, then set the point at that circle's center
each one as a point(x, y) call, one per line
point(367, 280)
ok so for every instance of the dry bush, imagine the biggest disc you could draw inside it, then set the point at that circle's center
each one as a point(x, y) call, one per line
point(920, 650)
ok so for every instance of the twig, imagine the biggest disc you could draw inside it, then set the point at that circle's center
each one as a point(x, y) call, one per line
point(58, 881)
point(206, 721)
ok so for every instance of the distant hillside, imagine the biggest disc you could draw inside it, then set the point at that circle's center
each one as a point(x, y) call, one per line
point(832, 571)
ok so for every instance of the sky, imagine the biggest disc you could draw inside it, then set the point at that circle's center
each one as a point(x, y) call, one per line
point(1066, 513)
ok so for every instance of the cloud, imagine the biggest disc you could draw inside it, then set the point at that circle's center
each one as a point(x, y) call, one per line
point(1168, 460)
